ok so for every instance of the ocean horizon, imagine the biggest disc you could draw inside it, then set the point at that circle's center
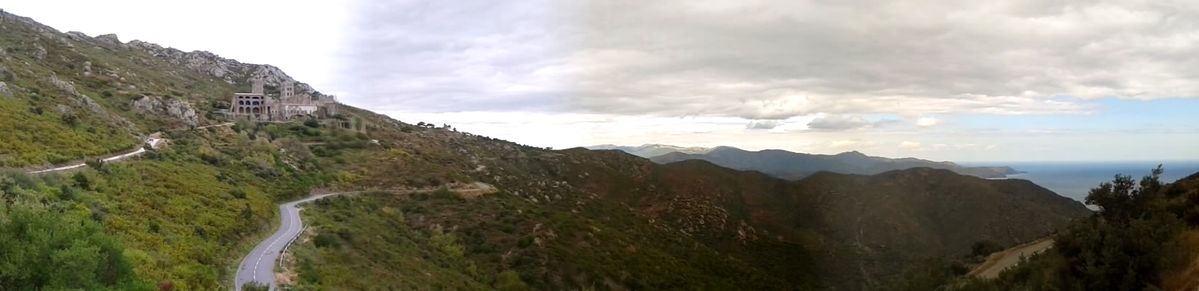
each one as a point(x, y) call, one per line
point(1074, 179)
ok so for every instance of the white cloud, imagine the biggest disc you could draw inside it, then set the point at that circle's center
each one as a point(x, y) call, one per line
point(909, 145)
point(927, 122)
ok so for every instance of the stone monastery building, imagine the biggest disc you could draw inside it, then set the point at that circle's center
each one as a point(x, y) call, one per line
point(257, 105)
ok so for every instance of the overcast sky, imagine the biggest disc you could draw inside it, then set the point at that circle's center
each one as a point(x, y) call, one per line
point(945, 80)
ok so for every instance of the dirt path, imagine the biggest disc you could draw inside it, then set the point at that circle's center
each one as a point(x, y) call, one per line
point(153, 141)
point(998, 262)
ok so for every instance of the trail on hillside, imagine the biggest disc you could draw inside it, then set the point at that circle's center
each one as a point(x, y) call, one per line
point(153, 141)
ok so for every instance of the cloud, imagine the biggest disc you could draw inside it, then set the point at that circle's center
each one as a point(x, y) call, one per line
point(838, 122)
point(760, 60)
point(909, 145)
point(763, 124)
point(927, 122)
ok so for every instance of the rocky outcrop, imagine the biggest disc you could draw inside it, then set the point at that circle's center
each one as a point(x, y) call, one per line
point(110, 40)
point(80, 99)
point(231, 71)
point(4, 91)
point(173, 108)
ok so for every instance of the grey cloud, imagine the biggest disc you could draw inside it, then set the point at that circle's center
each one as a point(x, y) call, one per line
point(838, 122)
point(763, 124)
point(770, 60)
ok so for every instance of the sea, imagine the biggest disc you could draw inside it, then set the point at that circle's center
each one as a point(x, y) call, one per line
point(1076, 179)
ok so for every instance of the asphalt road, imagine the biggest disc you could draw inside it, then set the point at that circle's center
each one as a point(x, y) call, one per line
point(259, 265)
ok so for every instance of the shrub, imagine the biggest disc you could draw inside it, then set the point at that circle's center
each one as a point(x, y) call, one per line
point(313, 123)
point(509, 281)
point(255, 286)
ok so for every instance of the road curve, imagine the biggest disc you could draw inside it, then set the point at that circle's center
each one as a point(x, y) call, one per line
point(1003, 260)
point(259, 265)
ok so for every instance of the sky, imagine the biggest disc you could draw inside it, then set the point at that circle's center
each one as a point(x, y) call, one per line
point(1020, 80)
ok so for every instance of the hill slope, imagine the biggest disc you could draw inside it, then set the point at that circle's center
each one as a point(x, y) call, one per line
point(791, 165)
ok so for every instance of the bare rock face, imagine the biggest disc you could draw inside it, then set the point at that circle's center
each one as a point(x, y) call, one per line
point(77, 36)
point(173, 108)
point(231, 71)
point(4, 91)
point(110, 40)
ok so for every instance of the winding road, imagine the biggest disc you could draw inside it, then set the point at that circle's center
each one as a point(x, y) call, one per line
point(152, 141)
point(259, 265)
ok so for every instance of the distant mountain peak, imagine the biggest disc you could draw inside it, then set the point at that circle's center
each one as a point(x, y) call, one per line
point(852, 154)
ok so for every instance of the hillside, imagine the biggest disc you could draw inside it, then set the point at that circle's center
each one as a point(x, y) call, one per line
point(822, 232)
point(791, 165)
point(179, 217)
point(1145, 236)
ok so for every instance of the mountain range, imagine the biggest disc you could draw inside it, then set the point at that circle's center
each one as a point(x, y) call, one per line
point(792, 165)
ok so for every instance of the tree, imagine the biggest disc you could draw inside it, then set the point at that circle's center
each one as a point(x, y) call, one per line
point(1122, 199)
point(1125, 246)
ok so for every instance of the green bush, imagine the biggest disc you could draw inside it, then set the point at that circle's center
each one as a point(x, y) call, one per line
point(56, 251)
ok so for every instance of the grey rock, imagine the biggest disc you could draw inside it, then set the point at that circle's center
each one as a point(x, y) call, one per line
point(39, 52)
point(63, 85)
point(63, 109)
point(228, 70)
point(91, 105)
point(110, 40)
point(4, 91)
point(77, 36)
point(173, 108)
